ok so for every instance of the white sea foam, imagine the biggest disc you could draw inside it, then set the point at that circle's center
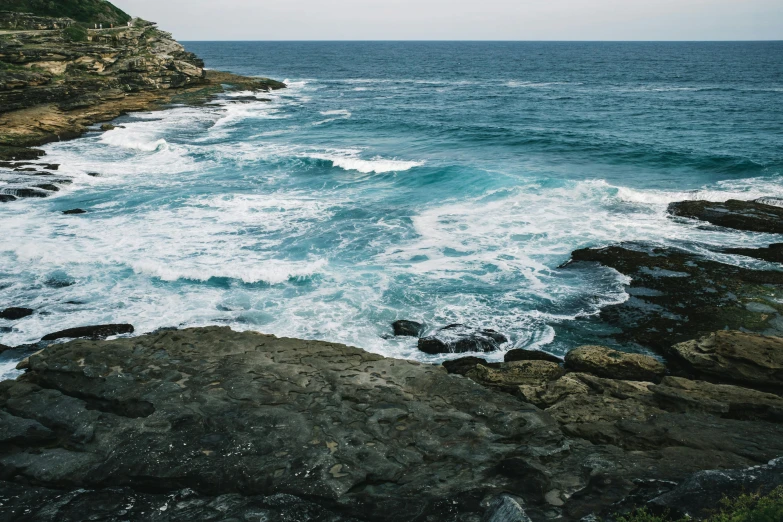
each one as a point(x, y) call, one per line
point(340, 114)
point(375, 165)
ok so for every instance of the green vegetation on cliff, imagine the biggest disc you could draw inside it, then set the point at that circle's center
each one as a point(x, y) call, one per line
point(85, 11)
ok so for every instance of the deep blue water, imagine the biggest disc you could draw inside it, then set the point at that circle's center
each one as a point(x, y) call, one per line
point(442, 182)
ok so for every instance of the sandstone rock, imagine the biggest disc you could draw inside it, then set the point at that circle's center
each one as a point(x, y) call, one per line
point(15, 313)
point(511, 375)
point(741, 215)
point(519, 354)
point(107, 127)
point(407, 328)
point(458, 338)
point(228, 413)
point(733, 356)
point(96, 332)
point(676, 393)
point(614, 364)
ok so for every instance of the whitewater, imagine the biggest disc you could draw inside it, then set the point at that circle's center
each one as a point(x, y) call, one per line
point(439, 182)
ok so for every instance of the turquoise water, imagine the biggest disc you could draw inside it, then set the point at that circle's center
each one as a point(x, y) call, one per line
point(442, 182)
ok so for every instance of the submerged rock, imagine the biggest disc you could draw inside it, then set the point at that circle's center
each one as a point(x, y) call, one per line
point(95, 332)
point(733, 356)
point(15, 313)
point(458, 338)
point(74, 211)
point(605, 362)
point(741, 215)
point(407, 328)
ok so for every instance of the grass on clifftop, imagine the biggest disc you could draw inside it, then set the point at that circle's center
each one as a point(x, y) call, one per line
point(85, 11)
point(745, 508)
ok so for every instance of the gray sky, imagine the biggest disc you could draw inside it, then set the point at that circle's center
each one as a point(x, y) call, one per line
point(464, 20)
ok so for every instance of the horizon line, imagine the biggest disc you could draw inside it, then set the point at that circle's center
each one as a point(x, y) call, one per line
point(489, 41)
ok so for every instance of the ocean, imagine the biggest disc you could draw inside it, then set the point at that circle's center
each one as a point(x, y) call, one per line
point(443, 182)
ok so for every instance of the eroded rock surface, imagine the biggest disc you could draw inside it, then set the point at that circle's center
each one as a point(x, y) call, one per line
point(613, 364)
point(223, 412)
point(736, 357)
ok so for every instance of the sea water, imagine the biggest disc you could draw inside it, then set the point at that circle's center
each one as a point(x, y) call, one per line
point(438, 182)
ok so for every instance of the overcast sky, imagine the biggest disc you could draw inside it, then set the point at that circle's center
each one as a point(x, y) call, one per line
point(464, 20)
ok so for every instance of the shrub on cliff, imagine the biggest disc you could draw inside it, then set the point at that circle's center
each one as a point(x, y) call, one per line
point(85, 11)
point(75, 33)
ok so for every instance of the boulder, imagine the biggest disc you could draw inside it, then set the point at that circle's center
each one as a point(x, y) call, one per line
point(740, 215)
point(74, 211)
point(613, 364)
point(732, 356)
point(15, 313)
point(725, 400)
point(510, 376)
point(95, 332)
point(458, 338)
point(520, 354)
point(407, 328)
point(107, 127)
point(5, 198)
point(699, 495)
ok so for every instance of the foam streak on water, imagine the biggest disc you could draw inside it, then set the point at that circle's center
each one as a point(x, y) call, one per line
point(445, 185)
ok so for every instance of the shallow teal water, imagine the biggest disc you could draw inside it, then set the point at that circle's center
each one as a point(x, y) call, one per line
point(442, 182)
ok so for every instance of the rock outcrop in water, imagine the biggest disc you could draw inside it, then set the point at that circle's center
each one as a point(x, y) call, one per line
point(754, 216)
point(196, 422)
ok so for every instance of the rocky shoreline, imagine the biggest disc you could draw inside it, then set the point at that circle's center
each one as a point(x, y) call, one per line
point(212, 424)
point(55, 86)
point(208, 423)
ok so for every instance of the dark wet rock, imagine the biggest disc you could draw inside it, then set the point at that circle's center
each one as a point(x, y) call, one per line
point(25, 503)
point(5, 198)
point(702, 492)
point(3, 347)
point(732, 356)
point(463, 365)
point(18, 430)
point(613, 364)
point(27, 193)
point(94, 174)
point(458, 338)
point(48, 186)
point(676, 296)
point(725, 400)
point(520, 354)
point(10, 153)
point(773, 253)
point(15, 313)
point(107, 127)
point(407, 328)
point(75, 211)
point(243, 413)
point(95, 332)
point(509, 376)
point(740, 215)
